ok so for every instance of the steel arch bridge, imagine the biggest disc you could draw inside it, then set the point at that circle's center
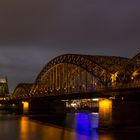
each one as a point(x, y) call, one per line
point(22, 91)
point(74, 73)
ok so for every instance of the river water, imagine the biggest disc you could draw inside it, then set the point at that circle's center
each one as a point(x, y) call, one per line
point(79, 126)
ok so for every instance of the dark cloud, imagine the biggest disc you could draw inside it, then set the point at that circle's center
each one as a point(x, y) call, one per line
point(69, 22)
point(32, 32)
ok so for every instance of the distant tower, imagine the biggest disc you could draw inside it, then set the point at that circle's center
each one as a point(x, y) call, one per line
point(4, 91)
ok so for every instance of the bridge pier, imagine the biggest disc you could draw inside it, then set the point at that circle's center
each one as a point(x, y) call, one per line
point(16, 107)
point(105, 113)
point(47, 107)
point(118, 113)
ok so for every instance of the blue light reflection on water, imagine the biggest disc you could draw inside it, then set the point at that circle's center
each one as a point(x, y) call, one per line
point(85, 124)
point(15, 127)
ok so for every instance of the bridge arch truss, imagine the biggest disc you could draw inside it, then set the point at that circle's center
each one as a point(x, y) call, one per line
point(73, 73)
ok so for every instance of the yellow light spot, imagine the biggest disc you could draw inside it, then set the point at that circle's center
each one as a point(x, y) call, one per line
point(25, 107)
point(113, 78)
point(105, 103)
point(105, 112)
point(134, 74)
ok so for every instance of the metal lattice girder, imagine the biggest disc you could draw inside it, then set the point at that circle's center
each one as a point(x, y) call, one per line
point(96, 65)
point(22, 91)
point(129, 69)
point(111, 63)
point(73, 73)
point(133, 64)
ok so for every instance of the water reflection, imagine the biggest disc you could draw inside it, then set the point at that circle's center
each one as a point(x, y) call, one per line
point(27, 129)
point(32, 130)
point(80, 126)
point(85, 124)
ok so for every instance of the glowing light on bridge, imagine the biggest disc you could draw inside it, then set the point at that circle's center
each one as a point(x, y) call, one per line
point(95, 99)
point(113, 78)
point(73, 104)
point(13, 105)
point(134, 74)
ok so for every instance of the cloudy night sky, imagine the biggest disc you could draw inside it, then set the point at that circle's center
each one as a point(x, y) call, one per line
point(32, 32)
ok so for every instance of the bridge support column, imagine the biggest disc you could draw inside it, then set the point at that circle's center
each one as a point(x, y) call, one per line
point(25, 108)
point(105, 113)
point(16, 108)
point(118, 113)
point(47, 107)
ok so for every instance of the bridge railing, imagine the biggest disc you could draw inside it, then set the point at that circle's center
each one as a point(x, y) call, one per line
point(131, 84)
point(74, 90)
point(86, 89)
